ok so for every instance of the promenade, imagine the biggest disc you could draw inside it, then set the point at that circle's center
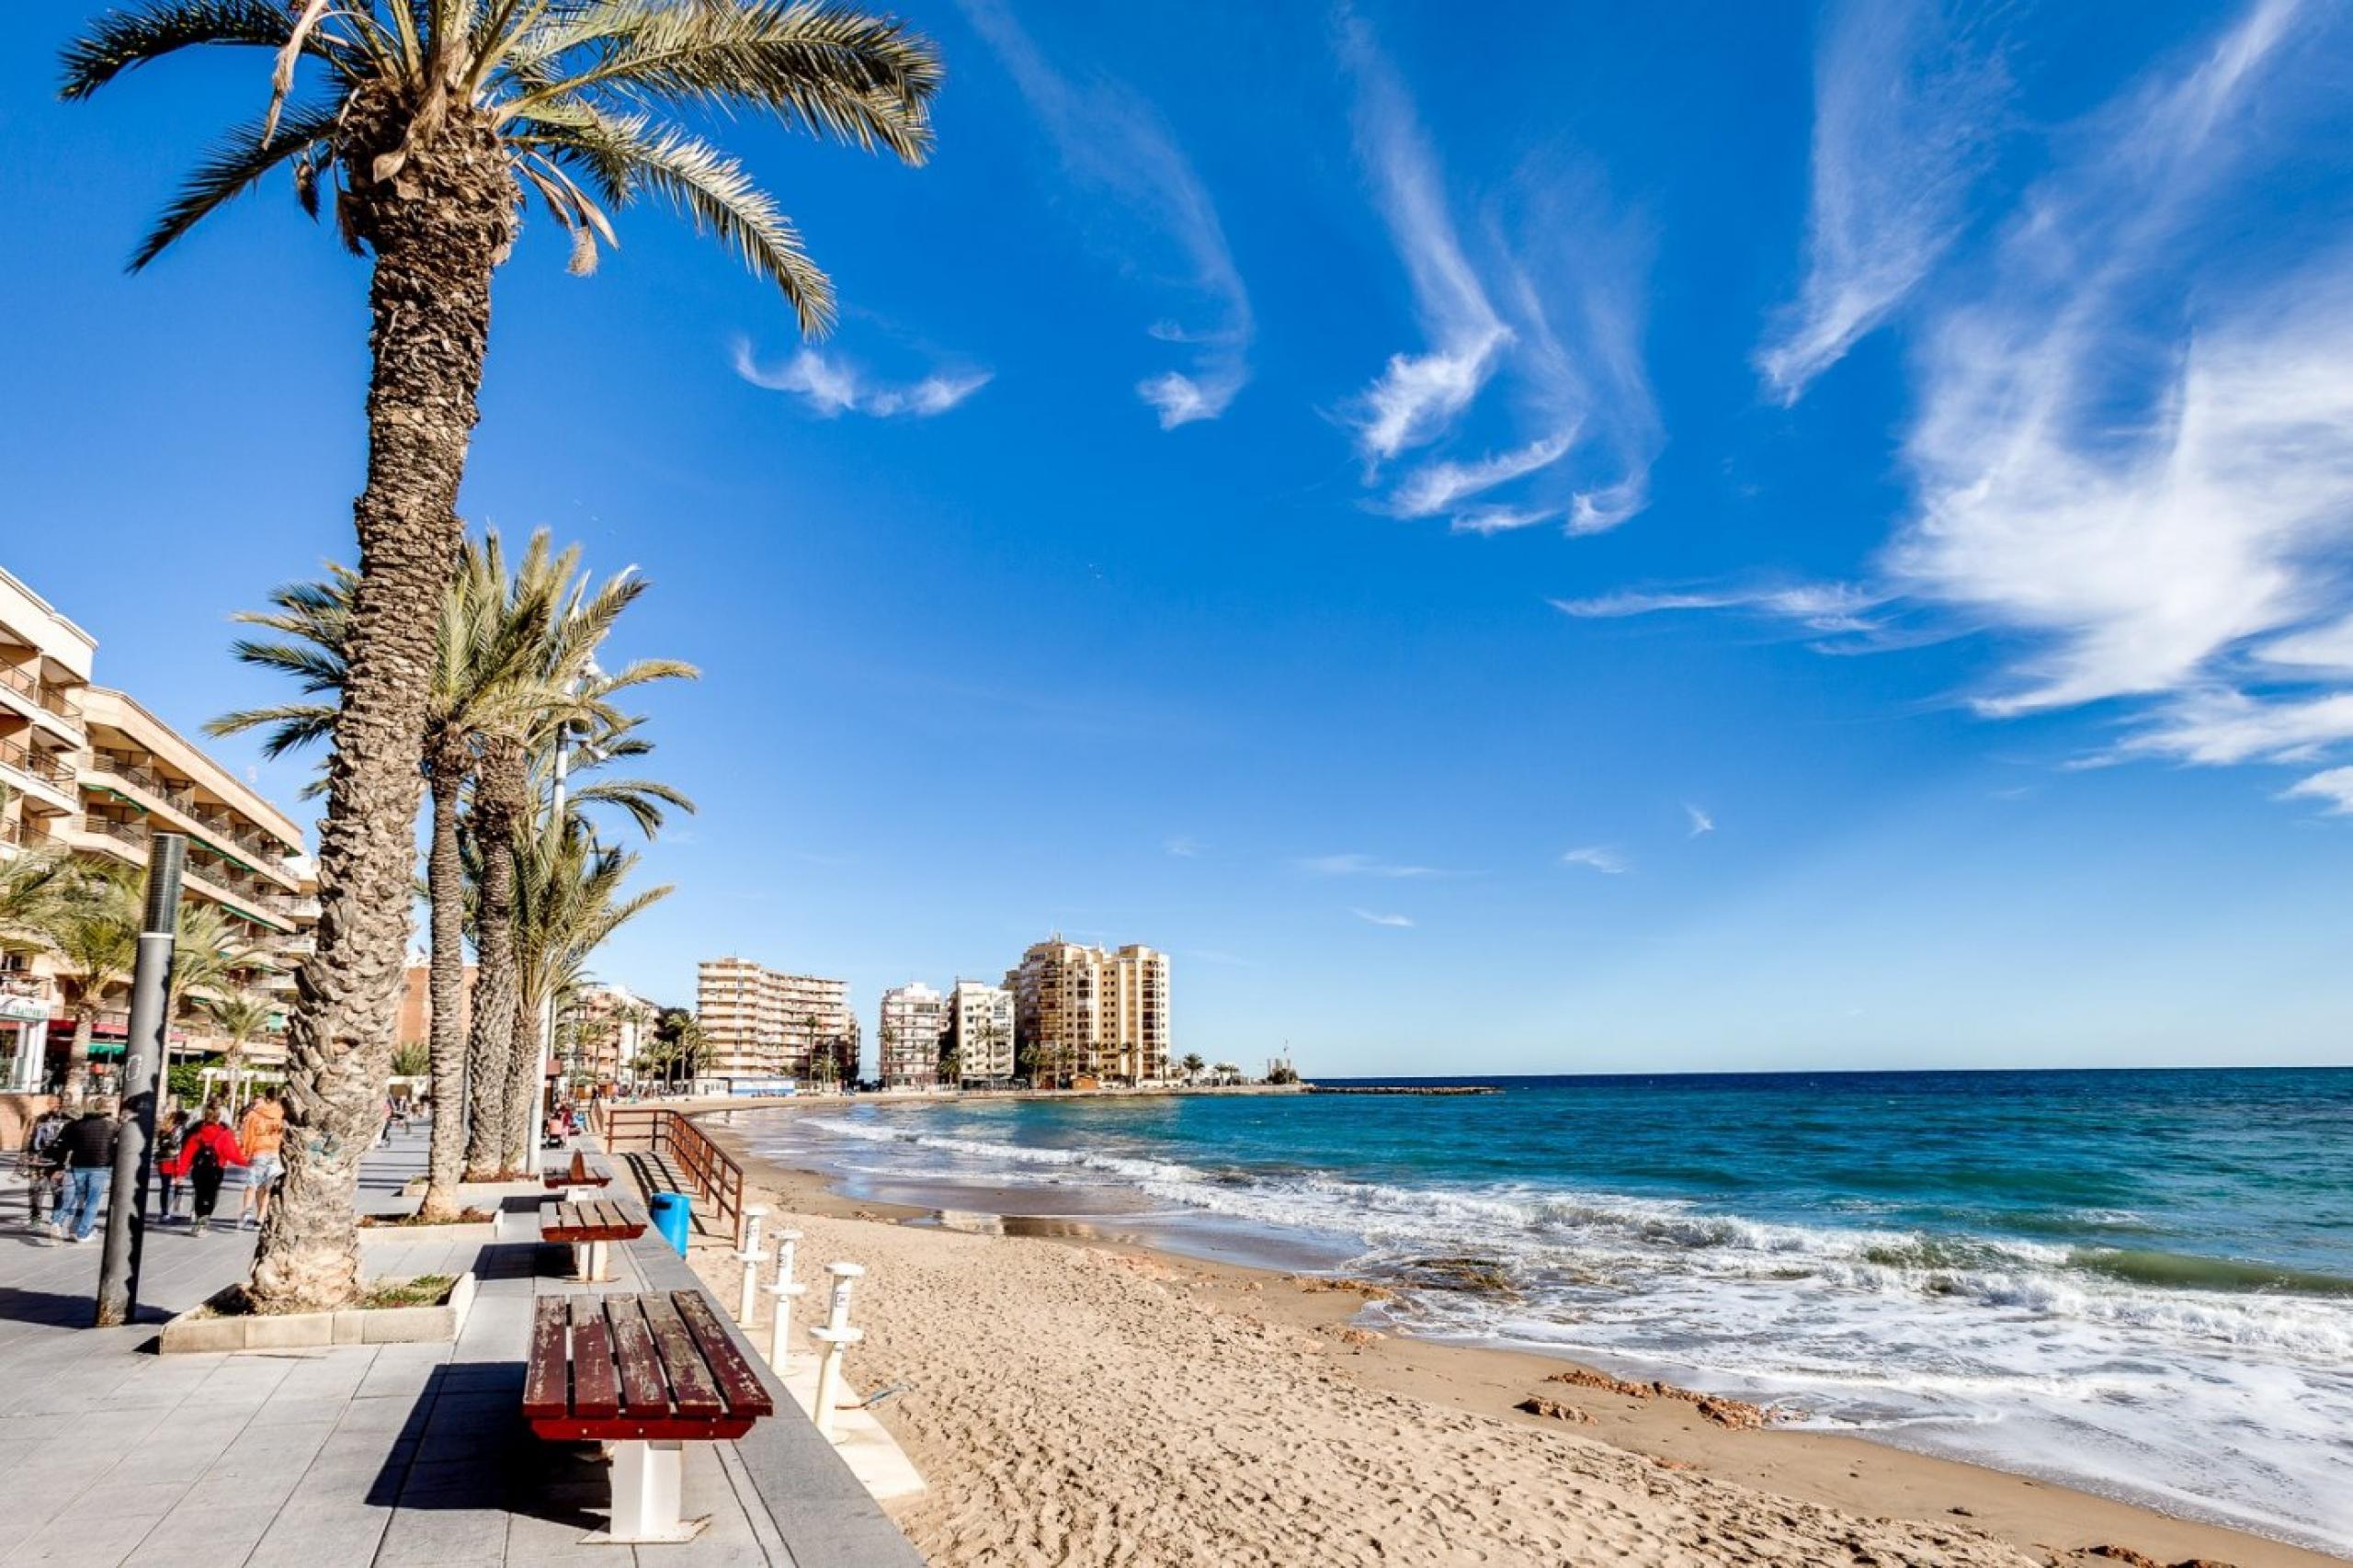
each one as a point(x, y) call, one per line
point(388, 1455)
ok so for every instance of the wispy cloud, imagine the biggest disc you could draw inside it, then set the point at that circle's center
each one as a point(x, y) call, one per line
point(1355, 865)
point(1369, 919)
point(1559, 315)
point(1818, 606)
point(2334, 786)
point(1598, 857)
point(1112, 138)
point(1906, 100)
point(2155, 500)
point(833, 386)
point(1182, 847)
point(1700, 821)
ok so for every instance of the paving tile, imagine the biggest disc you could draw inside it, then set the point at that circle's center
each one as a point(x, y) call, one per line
point(295, 1541)
point(436, 1538)
point(82, 1543)
point(213, 1533)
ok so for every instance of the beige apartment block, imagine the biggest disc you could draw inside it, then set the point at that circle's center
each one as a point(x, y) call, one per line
point(907, 1044)
point(88, 769)
point(762, 1023)
point(1085, 1015)
point(979, 1033)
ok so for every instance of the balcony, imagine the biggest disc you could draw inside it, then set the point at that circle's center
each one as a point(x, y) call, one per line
point(211, 821)
point(36, 764)
point(55, 700)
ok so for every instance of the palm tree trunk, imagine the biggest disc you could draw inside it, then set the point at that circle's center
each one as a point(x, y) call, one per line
point(523, 1081)
point(438, 228)
point(491, 1043)
point(445, 878)
point(77, 1055)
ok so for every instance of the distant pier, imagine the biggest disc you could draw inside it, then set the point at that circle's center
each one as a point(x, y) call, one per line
point(1405, 1089)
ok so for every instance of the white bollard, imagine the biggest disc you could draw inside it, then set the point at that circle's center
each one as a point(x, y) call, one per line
point(829, 1373)
point(747, 1304)
point(784, 1291)
point(835, 1336)
point(845, 1275)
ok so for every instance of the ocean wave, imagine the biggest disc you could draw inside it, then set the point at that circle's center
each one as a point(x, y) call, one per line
point(1537, 1236)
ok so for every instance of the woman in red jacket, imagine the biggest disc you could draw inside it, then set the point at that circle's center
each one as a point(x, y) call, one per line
point(204, 1158)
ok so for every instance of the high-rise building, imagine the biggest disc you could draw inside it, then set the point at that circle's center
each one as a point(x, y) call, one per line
point(907, 1047)
point(760, 1023)
point(979, 1033)
point(1082, 1013)
point(88, 769)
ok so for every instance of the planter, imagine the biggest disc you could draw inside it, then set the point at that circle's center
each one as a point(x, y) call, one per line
point(204, 1330)
point(478, 1231)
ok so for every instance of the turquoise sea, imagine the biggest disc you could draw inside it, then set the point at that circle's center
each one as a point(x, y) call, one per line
point(2138, 1283)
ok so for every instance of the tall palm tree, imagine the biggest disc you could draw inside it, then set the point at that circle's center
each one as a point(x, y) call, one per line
point(487, 649)
point(32, 884)
point(582, 616)
point(94, 929)
point(431, 120)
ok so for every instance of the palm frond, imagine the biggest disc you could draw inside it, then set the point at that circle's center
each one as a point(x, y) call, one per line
point(292, 725)
point(831, 70)
point(121, 39)
point(627, 152)
point(236, 163)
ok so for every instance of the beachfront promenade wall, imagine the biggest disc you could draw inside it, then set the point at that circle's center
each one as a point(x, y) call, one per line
point(392, 1455)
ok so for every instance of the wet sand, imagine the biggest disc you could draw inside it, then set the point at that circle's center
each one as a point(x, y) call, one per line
point(1074, 1395)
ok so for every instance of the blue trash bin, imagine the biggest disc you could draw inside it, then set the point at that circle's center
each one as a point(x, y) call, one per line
point(674, 1218)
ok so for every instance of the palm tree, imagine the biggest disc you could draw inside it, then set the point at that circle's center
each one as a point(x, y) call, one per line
point(94, 928)
point(242, 1017)
point(486, 670)
point(687, 1046)
point(1192, 1065)
point(431, 120)
point(578, 619)
point(568, 902)
point(208, 951)
point(33, 883)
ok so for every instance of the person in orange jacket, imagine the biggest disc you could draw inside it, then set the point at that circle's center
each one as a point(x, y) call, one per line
point(205, 1156)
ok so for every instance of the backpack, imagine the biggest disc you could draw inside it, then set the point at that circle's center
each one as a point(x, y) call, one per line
point(205, 1159)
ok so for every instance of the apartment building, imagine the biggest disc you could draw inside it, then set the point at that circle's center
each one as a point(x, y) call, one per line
point(413, 1023)
point(907, 1045)
point(89, 769)
point(980, 1021)
point(44, 670)
point(762, 1023)
point(1088, 1016)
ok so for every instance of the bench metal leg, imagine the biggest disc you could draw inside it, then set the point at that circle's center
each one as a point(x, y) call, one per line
point(599, 1263)
point(649, 1487)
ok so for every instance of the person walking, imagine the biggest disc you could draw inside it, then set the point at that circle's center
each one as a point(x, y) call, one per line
point(41, 1187)
point(206, 1154)
point(85, 1150)
point(260, 1134)
point(168, 1139)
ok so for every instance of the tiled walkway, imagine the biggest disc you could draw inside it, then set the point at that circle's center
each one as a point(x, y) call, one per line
point(390, 1455)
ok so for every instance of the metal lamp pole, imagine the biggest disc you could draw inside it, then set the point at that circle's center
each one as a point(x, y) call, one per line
point(143, 1073)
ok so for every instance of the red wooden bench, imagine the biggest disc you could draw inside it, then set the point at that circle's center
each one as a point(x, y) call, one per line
point(644, 1373)
point(580, 1175)
point(586, 1227)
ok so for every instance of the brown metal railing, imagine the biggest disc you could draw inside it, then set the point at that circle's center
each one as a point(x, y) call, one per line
point(718, 1179)
point(39, 763)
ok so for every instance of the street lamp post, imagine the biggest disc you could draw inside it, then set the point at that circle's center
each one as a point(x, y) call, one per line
point(143, 1073)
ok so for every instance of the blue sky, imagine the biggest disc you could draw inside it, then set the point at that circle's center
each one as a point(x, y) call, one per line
point(1705, 538)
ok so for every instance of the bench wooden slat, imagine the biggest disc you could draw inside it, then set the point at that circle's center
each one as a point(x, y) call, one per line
point(643, 1394)
point(692, 1390)
point(545, 1382)
point(595, 1389)
point(738, 1383)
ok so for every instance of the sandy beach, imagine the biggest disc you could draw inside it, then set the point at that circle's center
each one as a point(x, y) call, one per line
point(1074, 1400)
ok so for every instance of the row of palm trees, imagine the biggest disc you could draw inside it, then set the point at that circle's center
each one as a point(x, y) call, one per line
point(514, 864)
point(424, 126)
point(83, 916)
